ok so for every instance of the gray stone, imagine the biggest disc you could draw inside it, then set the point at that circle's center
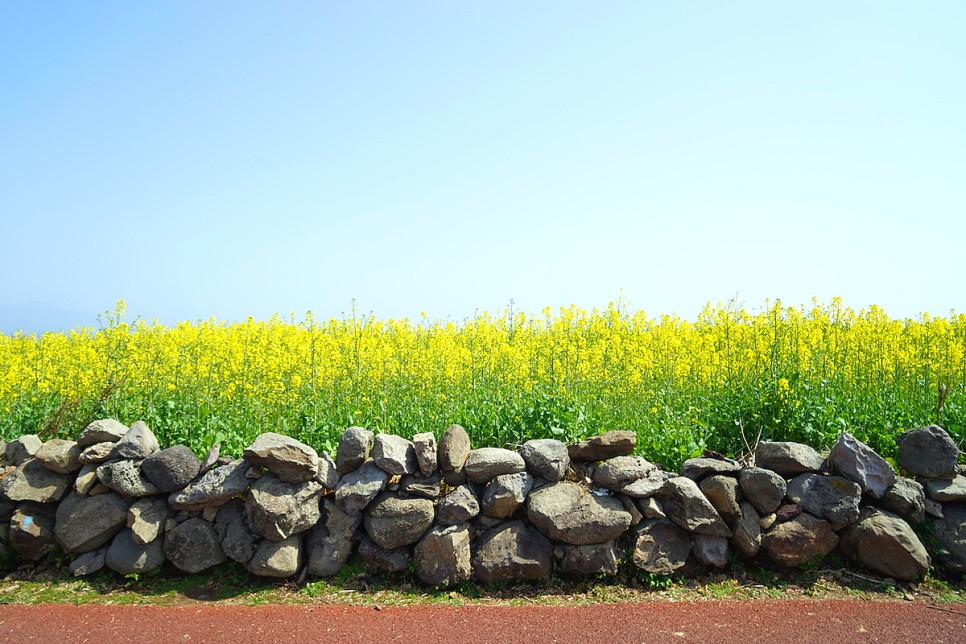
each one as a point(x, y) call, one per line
point(858, 462)
point(214, 488)
point(394, 454)
point(193, 546)
point(747, 530)
point(86, 479)
point(427, 487)
point(698, 468)
point(425, 445)
point(31, 481)
point(660, 547)
point(724, 493)
point(138, 443)
point(106, 430)
point(171, 469)
point(505, 494)
point(512, 551)
point(651, 508)
point(32, 530)
point(591, 559)
point(379, 560)
point(487, 463)
point(631, 507)
point(88, 563)
point(905, 498)
point(928, 452)
point(330, 542)
point(570, 513)
point(454, 448)
point(647, 486)
point(60, 456)
point(354, 447)
point(684, 504)
point(96, 453)
point(763, 488)
point(798, 541)
point(946, 491)
point(933, 508)
point(442, 556)
point(833, 498)
point(126, 477)
point(234, 534)
point(787, 459)
point(950, 533)
point(886, 544)
point(327, 476)
point(615, 473)
point(211, 458)
point(276, 509)
point(392, 522)
point(457, 507)
point(86, 523)
point(607, 445)
point(547, 458)
point(278, 559)
point(710, 551)
point(127, 557)
point(357, 488)
point(19, 450)
point(146, 519)
point(288, 459)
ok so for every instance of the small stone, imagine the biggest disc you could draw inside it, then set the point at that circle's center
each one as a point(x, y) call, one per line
point(631, 507)
point(86, 479)
point(394, 454)
point(592, 559)
point(278, 559)
point(946, 491)
point(858, 462)
point(171, 469)
point(547, 458)
point(907, 499)
point(769, 520)
point(929, 452)
point(354, 447)
point(138, 443)
point(457, 507)
point(615, 473)
point(425, 445)
point(380, 560)
point(453, 450)
point(211, 458)
point(330, 542)
point(88, 563)
point(647, 486)
point(710, 551)
point(96, 453)
point(787, 459)
point(788, 512)
point(290, 460)
point(328, 475)
point(427, 487)
point(32, 530)
point(505, 494)
point(60, 456)
point(724, 493)
point(487, 463)
point(698, 468)
point(747, 537)
point(106, 430)
point(651, 508)
point(19, 450)
point(763, 488)
point(357, 488)
point(607, 445)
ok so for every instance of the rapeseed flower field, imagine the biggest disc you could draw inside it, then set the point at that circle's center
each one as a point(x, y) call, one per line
point(717, 382)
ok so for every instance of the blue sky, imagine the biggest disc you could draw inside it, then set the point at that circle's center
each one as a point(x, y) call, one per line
point(227, 159)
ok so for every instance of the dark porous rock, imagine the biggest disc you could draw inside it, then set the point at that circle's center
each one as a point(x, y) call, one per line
point(126, 477)
point(512, 551)
point(393, 522)
point(329, 544)
point(60, 456)
point(459, 506)
point(747, 537)
point(571, 513)
point(787, 459)
point(710, 551)
point(929, 452)
point(615, 473)
point(85, 523)
point(276, 509)
point(328, 475)
point(360, 486)
point(379, 560)
point(788, 512)
point(19, 450)
point(947, 491)
point(886, 544)
point(950, 533)
point(146, 519)
point(453, 450)
point(833, 498)
point(106, 430)
point(31, 481)
point(425, 445)
point(684, 504)
point(32, 530)
point(547, 458)
point(591, 559)
point(796, 542)
point(217, 487)
point(724, 493)
point(193, 546)
point(235, 536)
point(607, 445)
point(128, 557)
point(278, 559)
point(905, 498)
point(171, 469)
point(858, 462)
point(647, 486)
point(505, 494)
point(394, 454)
point(763, 488)
point(88, 563)
point(96, 453)
point(427, 487)
point(442, 556)
point(354, 447)
point(288, 459)
point(138, 443)
point(698, 468)
point(487, 463)
point(660, 547)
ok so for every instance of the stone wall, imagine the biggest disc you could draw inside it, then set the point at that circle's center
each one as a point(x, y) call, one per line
point(114, 498)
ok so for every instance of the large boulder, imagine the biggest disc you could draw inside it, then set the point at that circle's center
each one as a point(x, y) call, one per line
point(833, 498)
point(453, 450)
point(905, 498)
point(31, 481)
point(128, 557)
point(146, 518)
point(457, 507)
point(106, 430)
point(512, 551)
point(615, 473)
point(547, 458)
point(950, 533)
point(798, 541)
point(392, 522)
point(32, 530)
point(487, 463)
point(505, 494)
point(193, 546)
point(684, 504)
point(886, 544)
point(442, 556)
point(60, 456)
point(234, 534)
point(85, 523)
point(425, 446)
point(607, 445)
point(858, 462)
point(359, 487)
point(929, 452)
point(277, 559)
point(137, 443)
point(126, 477)
point(329, 544)
point(787, 459)
point(394, 455)
point(276, 509)
point(591, 559)
point(172, 468)
point(354, 447)
point(763, 488)
point(660, 546)
point(571, 513)
point(217, 487)
point(288, 459)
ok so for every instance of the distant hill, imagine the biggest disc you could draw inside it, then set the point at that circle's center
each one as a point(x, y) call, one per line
point(40, 317)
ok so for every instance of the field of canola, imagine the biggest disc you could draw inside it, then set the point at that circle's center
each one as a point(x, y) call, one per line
point(683, 386)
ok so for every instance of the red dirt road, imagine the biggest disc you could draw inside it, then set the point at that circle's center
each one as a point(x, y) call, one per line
point(705, 621)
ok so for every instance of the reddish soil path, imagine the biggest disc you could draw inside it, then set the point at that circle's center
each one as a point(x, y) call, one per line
point(706, 621)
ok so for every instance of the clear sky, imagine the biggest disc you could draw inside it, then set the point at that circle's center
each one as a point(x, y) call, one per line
point(227, 159)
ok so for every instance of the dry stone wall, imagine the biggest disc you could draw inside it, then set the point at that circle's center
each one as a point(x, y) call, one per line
point(450, 513)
